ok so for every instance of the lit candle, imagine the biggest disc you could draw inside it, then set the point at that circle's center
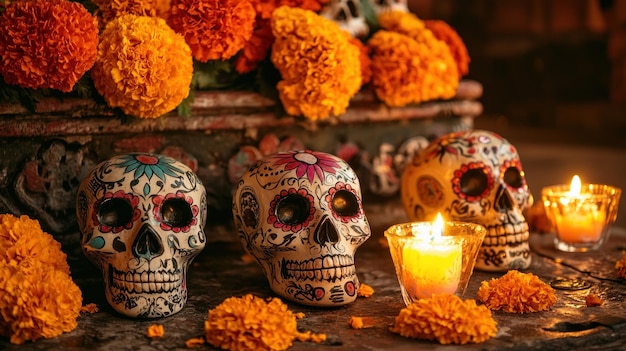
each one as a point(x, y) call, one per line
point(580, 220)
point(431, 263)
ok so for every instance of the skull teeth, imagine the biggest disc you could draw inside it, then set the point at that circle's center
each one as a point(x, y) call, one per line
point(506, 235)
point(145, 282)
point(327, 268)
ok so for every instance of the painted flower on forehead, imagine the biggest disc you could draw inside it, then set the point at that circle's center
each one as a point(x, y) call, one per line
point(307, 163)
point(214, 29)
point(46, 43)
point(143, 66)
point(149, 165)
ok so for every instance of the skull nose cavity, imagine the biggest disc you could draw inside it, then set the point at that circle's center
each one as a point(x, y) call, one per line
point(503, 202)
point(147, 243)
point(326, 233)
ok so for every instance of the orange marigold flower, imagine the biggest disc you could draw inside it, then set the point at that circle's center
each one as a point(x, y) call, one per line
point(366, 61)
point(36, 302)
point(620, 267)
point(319, 67)
point(215, 29)
point(265, 8)
point(447, 319)
point(109, 10)
point(251, 323)
point(47, 43)
point(143, 66)
point(517, 292)
point(427, 63)
point(155, 331)
point(444, 32)
point(22, 241)
point(256, 48)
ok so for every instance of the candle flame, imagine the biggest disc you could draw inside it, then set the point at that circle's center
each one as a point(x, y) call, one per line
point(436, 230)
point(574, 188)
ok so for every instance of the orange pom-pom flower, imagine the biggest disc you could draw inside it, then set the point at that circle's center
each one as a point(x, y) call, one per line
point(143, 66)
point(47, 43)
point(442, 31)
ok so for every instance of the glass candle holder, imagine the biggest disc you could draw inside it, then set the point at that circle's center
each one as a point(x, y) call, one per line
point(426, 265)
point(582, 221)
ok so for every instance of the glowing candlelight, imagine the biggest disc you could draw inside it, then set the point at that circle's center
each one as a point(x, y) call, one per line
point(432, 264)
point(581, 222)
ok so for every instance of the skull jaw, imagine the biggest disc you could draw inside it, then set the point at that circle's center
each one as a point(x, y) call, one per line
point(145, 298)
point(505, 249)
point(313, 283)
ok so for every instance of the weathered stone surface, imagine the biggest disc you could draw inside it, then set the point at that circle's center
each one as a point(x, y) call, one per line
point(219, 272)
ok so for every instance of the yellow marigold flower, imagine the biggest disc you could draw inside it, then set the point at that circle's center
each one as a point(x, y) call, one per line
point(47, 43)
point(319, 67)
point(620, 267)
point(447, 319)
point(22, 241)
point(517, 292)
point(251, 323)
point(214, 29)
point(37, 302)
point(437, 76)
point(110, 9)
point(143, 66)
point(444, 32)
point(155, 331)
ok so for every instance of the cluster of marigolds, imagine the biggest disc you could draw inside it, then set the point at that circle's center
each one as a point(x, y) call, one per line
point(142, 55)
point(39, 299)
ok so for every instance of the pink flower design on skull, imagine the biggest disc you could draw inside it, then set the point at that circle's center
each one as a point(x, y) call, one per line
point(309, 163)
point(175, 212)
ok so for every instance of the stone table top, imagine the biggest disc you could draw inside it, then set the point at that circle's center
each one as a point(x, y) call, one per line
point(219, 272)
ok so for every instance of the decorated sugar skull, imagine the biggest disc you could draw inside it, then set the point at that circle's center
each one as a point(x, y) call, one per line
point(300, 215)
point(473, 176)
point(142, 220)
point(348, 14)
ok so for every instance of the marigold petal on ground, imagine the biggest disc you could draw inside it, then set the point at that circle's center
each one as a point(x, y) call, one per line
point(47, 43)
point(155, 331)
point(620, 267)
point(447, 319)
point(320, 69)
point(143, 66)
point(517, 292)
point(214, 29)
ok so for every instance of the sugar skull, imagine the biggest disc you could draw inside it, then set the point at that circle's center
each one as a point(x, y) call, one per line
point(142, 219)
point(473, 176)
point(300, 214)
point(348, 14)
point(380, 6)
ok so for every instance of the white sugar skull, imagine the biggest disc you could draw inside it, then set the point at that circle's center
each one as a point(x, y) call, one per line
point(142, 220)
point(300, 215)
point(473, 176)
point(348, 14)
point(380, 6)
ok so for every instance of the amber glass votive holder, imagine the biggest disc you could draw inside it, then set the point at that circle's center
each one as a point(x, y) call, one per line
point(425, 265)
point(582, 222)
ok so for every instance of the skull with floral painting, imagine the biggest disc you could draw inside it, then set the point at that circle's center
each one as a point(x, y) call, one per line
point(348, 14)
point(142, 219)
point(300, 214)
point(473, 176)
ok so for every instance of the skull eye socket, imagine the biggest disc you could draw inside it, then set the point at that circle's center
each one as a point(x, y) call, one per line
point(176, 212)
point(115, 212)
point(474, 182)
point(292, 209)
point(345, 203)
point(513, 177)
